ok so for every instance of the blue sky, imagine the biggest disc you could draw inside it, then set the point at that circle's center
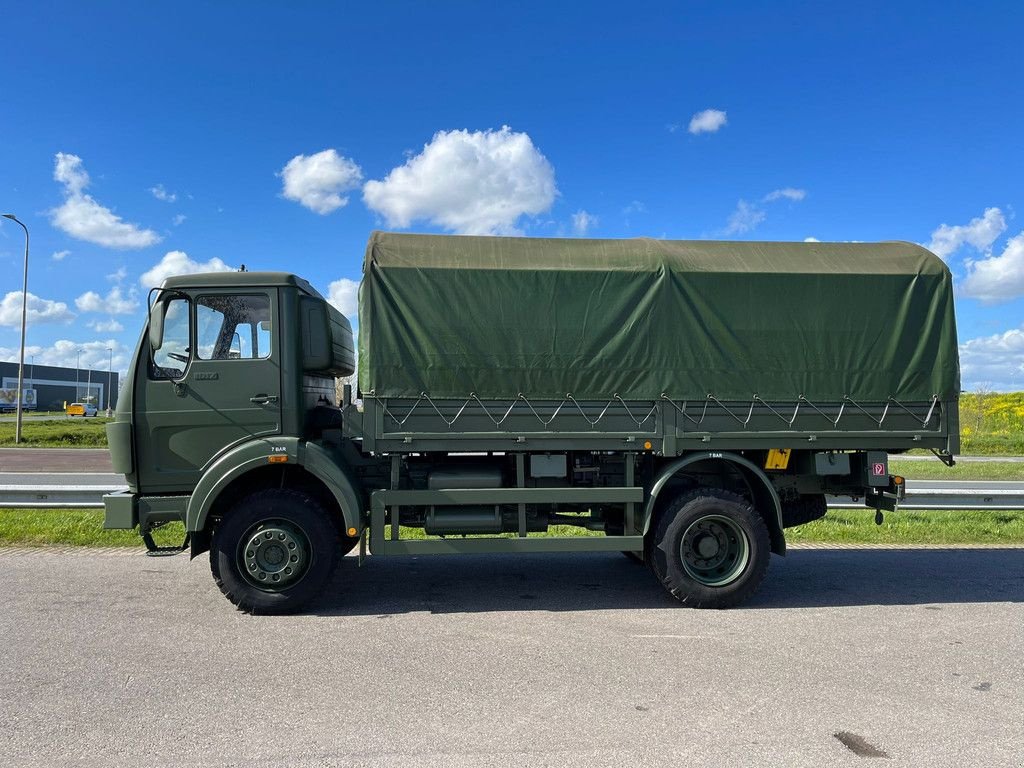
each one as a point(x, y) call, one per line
point(139, 139)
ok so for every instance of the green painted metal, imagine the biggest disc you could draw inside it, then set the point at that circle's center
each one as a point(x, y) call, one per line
point(181, 427)
point(273, 555)
point(322, 463)
point(714, 550)
point(119, 441)
point(773, 518)
point(328, 465)
point(160, 509)
point(381, 500)
point(425, 425)
point(509, 496)
point(120, 511)
point(508, 545)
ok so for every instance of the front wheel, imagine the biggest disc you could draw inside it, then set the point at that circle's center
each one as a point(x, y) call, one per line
point(709, 549)
point(274, 551)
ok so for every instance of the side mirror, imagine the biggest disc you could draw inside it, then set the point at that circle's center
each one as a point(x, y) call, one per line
point(157, 310)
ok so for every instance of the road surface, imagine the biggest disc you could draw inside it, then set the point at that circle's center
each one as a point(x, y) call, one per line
point(117, 660)
point(55, 460)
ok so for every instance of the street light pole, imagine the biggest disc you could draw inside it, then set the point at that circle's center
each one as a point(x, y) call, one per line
point(78, 377)
point(110, 364)
point(24, 318)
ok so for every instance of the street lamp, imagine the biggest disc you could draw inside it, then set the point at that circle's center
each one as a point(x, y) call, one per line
point(110, 364)
point(78, 386)
point(24, 318)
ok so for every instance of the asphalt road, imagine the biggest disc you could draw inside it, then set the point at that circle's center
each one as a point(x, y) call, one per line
point(112, 660)
point(100, 479)
point(55, 460)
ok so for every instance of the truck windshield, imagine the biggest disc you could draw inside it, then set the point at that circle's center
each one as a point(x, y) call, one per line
point(233, 327)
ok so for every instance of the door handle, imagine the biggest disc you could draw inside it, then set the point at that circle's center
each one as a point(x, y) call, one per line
point(263, 399)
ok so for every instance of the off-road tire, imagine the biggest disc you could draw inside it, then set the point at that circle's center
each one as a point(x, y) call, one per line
point(292, 508)
point(666, 561)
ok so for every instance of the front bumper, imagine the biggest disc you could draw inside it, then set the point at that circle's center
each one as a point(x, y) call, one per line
point(120, 510)
point(125, 510)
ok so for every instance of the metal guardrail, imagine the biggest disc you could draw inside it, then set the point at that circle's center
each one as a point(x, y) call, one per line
point(55, 496)
point(992, 500)
point(91, 497)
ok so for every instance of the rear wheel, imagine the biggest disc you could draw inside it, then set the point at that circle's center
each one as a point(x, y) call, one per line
point(274, 551)
point(709, 549)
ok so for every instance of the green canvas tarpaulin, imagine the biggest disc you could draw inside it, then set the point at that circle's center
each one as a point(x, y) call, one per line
point(500, 316)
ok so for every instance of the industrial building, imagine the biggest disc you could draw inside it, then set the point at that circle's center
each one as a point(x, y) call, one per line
point(54, 386)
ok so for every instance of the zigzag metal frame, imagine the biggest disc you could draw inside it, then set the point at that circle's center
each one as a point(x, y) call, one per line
point(520, 399)
point(801, 400)
point(640, 421)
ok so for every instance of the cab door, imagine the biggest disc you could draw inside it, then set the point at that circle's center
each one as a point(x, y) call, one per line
point(214, 382)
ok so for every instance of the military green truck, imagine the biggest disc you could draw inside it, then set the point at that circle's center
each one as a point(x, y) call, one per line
point(680, 402)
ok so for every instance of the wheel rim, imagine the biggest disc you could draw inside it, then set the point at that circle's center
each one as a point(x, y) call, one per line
point(274, 555)
point(714, 550)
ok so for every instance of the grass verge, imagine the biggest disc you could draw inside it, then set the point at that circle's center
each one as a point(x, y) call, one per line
point(854, 526)
point(84, 528)
point(72, 527)
point(62, 432)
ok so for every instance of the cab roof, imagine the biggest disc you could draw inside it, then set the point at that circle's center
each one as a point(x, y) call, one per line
point(240, 280)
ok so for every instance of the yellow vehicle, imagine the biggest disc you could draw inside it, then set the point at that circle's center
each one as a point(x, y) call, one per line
point(81, 409)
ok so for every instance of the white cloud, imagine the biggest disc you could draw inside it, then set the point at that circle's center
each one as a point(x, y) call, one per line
point(473, 183)
point(83, 218)
point(635, 207)
point(39, 310)
point(583, 221)
point(980, 233)
point(178, 263)
point(162, 194)
point(179, 219)
point(118, 275)
point(114, 303)
point(107, 326)
point(318, 181)
point(69, 171)
point(65, 353)
point(744, 218)
point(787, 193)
point(60, 255)
point(811, 240)
point(996, 361)
point(748, 216)
point(997, 278)
point(708, 121)
point(344, 295)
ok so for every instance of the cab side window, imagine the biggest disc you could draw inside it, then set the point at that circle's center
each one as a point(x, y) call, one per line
point(232, 327)
point(169, 361)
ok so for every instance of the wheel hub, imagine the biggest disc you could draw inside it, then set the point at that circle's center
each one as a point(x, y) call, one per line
point(274, 555)
point(714, 550)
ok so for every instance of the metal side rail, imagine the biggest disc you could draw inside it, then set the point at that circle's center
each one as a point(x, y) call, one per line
point(921, 494)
